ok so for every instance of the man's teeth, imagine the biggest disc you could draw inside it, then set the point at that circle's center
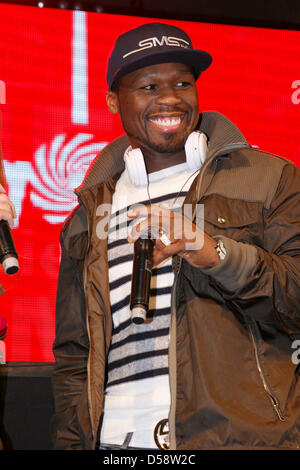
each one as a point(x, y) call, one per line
point(167, 122)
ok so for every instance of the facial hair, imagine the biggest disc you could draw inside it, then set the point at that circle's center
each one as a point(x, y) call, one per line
point(172, 143)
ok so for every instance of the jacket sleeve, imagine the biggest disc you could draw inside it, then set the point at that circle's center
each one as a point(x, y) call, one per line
point(265, 281)
point(70, 348)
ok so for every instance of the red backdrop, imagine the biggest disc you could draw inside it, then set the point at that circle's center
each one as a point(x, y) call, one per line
point(54, 121)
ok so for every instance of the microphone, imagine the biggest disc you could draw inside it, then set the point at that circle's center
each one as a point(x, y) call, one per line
point(8, 252)
point(141, 278)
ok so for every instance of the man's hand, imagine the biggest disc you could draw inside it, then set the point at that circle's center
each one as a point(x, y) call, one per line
point(184, 238)
point(7, 209)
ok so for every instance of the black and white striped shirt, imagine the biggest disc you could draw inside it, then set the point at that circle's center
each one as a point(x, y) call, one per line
point(137, 391)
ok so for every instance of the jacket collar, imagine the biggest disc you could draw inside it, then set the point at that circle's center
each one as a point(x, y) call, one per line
point(224, 137)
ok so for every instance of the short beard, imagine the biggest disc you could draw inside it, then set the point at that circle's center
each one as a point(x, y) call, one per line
point(171, 145)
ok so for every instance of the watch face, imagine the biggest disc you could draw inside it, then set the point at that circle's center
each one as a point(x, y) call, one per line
point(161, 435)
point(221, 250)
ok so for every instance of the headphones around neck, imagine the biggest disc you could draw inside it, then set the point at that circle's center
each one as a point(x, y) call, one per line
point(195, 149)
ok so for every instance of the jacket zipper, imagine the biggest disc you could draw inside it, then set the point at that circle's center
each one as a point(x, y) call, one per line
point(274, 401)
point(172, 370)
point(89, 399)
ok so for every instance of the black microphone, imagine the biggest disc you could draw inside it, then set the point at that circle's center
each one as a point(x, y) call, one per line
point(141, 278)
point(8, 252)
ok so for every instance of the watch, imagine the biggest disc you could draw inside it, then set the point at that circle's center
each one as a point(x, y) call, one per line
point(220, 249)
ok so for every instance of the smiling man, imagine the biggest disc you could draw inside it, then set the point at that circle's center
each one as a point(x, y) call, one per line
point(158, 107)
point(211, 366)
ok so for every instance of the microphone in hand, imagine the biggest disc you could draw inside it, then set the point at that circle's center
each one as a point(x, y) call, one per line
point(141, 279)
point(8, 252)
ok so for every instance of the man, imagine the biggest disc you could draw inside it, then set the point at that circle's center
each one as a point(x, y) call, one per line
point(211, 367)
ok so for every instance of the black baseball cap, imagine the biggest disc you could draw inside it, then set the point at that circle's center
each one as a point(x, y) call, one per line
point(151, 44)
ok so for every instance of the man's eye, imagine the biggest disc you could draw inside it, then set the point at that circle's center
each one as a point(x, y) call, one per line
point(149, 87)
point(182, 84)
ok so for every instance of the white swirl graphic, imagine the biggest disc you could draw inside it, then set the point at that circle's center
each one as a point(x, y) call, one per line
point(59, 168)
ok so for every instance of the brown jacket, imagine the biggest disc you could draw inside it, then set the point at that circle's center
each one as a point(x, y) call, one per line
point(233, 382)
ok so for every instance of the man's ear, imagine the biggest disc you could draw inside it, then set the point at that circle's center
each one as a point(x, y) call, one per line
point(112, 101)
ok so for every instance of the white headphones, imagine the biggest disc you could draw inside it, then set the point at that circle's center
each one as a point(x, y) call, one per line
point(195, 149)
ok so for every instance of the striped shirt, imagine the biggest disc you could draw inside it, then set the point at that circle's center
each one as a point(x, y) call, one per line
point(137, 392)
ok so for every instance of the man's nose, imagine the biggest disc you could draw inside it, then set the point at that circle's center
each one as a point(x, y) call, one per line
point(168, 96)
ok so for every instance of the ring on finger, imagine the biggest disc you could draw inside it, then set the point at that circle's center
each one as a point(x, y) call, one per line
point(164, 238)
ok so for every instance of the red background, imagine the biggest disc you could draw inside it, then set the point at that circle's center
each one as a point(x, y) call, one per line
point(251, 82)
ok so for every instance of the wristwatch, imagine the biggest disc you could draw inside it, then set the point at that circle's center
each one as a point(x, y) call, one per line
point(220, 249)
